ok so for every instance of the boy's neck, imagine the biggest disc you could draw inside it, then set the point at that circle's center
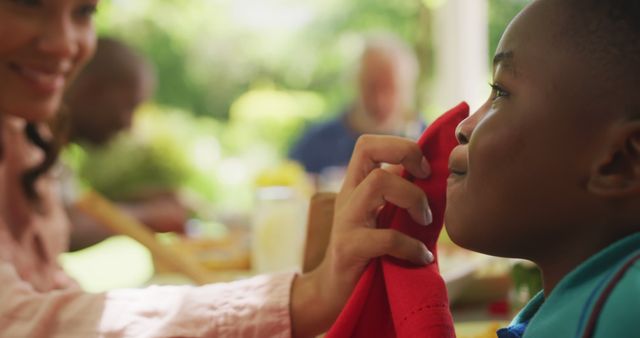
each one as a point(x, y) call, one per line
point(561, 259)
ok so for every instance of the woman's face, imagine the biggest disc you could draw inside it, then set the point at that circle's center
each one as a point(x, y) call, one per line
point(43, 44)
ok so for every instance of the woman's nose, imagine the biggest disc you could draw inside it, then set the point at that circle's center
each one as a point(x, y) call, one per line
point(58, 38)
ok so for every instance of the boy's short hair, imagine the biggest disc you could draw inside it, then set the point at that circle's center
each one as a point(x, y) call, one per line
point(608, 32)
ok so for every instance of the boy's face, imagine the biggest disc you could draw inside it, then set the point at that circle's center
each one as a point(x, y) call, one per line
point(518, 184)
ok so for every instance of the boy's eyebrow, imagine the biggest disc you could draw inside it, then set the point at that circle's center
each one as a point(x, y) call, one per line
point(502, 56)
point(505, 59)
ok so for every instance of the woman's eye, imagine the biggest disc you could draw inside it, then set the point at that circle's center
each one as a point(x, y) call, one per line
point(497, 91)
point(87, 10)
point(31, 3)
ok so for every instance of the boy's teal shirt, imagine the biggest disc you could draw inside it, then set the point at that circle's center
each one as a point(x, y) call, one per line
point(567, 309)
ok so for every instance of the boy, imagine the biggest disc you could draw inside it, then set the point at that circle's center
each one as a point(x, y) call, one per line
point(548, 169)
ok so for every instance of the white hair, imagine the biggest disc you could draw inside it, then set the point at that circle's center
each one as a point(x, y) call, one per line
point(402, 57)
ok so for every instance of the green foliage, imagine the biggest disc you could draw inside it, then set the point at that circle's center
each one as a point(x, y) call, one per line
point(208, 53)
point(501, 12)
point(272, 117)
point(527, 277)
point(129, 166)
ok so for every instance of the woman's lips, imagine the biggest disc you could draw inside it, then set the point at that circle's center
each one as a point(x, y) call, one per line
point(44, 80)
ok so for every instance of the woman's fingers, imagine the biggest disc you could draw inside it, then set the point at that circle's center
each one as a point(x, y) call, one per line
point(379, 242)
point(378, 188)
point(354, 236)
point(372, 150)
point(393, 168)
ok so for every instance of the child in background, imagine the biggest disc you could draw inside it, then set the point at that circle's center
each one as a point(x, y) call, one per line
point(548, 169)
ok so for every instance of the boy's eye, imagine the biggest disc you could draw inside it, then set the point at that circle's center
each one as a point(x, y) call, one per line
point(497, 91)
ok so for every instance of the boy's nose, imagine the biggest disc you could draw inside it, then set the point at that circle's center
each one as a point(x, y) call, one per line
point(460, 136)
point(465, 129)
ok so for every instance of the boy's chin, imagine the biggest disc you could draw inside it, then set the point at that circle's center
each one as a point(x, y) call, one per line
point(458, 237)
point(470, 235)
point(456, 230)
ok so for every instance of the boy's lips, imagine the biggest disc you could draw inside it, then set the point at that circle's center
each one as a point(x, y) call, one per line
point(458, 164)
point(457, 172)
point(43, 78)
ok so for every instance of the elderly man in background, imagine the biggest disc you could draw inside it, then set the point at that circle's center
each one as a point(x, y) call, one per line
point(387, 78)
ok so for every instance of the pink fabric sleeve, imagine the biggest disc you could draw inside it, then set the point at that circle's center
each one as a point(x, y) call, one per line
point(257, 307)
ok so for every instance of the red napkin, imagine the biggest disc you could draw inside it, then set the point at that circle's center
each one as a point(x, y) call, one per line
point(393, 299)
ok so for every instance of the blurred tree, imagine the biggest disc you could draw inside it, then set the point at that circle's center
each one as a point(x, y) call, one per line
point(208, 53)
point(500, 14)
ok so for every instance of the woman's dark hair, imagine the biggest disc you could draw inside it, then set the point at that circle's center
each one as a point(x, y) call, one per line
point(51, 149)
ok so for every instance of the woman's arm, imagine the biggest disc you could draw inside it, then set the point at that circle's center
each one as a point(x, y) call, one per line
point(257, 307)
point(265, 306)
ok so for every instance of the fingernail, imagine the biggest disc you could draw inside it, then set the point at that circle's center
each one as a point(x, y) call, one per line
point(427, 257)
point(425, 167)
point(427, 216)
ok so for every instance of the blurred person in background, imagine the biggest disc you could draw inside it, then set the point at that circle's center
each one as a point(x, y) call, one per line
point(101, 104)
point(106, 94)
point(386, 83)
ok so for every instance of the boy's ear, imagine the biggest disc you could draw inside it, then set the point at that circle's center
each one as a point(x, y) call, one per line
point(617, 173)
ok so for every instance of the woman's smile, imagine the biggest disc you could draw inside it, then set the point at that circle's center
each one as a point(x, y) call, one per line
point(43, 79)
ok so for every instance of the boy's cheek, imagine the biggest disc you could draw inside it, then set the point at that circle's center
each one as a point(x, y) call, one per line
point(477, 206)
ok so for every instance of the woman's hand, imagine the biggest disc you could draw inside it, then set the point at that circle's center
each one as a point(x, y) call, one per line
point(319, 296)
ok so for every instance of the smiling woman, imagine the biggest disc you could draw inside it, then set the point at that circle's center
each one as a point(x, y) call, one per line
point(39, 56)
point(40, 53)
